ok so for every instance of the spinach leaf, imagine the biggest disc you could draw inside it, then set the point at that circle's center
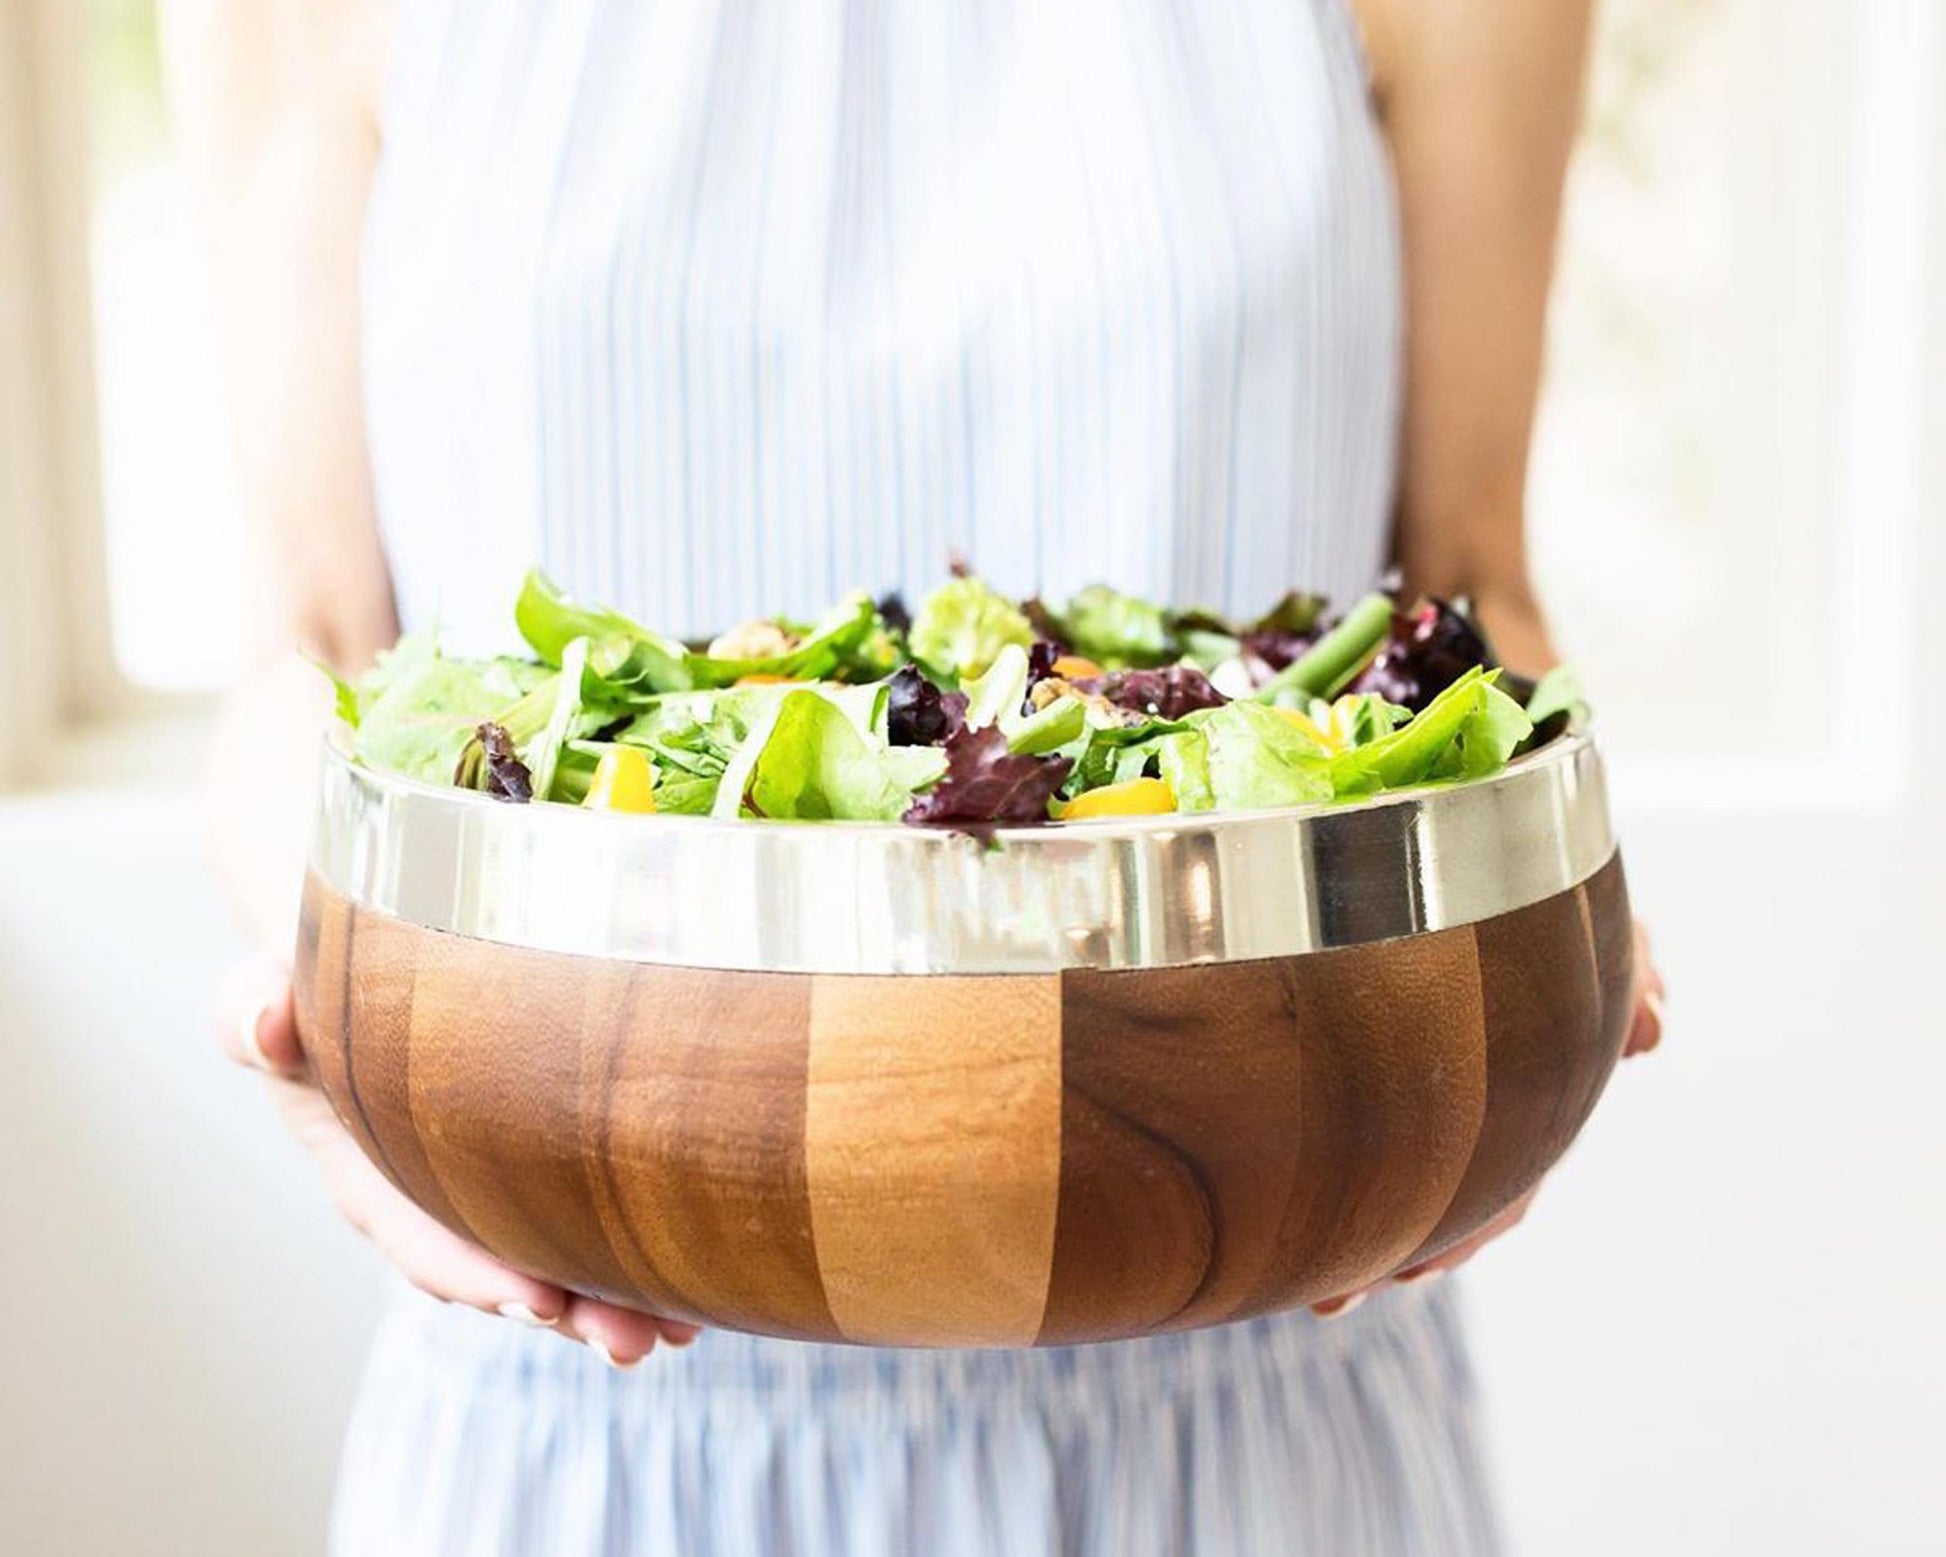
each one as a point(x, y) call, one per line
point(629, 663)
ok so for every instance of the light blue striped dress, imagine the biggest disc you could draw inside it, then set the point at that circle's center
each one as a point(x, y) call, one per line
point(718, 307)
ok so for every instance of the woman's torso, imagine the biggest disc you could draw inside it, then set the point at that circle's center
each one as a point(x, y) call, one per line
point(720, 309)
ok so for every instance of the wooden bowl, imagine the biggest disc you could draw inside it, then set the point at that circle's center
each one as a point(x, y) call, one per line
point(883, 1085)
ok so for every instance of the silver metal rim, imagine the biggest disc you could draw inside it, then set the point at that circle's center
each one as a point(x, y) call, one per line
point(832, 897)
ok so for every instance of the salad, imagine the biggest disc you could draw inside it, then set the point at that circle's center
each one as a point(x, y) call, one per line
point(972, 712)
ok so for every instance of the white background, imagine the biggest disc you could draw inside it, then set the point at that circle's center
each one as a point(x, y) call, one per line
point(1721, 1331)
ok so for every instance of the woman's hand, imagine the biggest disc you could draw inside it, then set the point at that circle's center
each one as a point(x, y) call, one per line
point(1644, 1033)
point(259, 1029)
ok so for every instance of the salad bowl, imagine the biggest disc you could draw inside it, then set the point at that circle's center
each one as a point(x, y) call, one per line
point(889, 1085)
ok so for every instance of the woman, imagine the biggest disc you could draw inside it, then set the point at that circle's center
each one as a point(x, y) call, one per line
point(718, 309)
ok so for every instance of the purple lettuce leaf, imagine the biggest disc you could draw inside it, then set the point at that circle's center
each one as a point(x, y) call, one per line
point(1285, 631)
point(1042, 619)
point(1430, 648)
point(918, 713)
point(1040, 665)
point(1168, 693)
point(987, 786)
point(507, 777)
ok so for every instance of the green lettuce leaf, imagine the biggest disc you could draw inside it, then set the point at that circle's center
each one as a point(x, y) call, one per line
point(1256, 759)
point(1062, 723)
point(1490, 736)
point(879, 651)
point(733, 712)
point(690, 759)
point(1115, 753)
point(543, 752)
point(1558, 692)
point(1468, 731)
point(1182, 761)
point(1117, 630)
point(996, 694)
point(418, 710)
point(836, 639)
point(626, 655)
point(629, 663)
point(345, 702)
point(808, 762)
point(694, 737)
point(914, 768)
point(554, 711)
point(962, 627)
point(1362, 717)
point(999, 696)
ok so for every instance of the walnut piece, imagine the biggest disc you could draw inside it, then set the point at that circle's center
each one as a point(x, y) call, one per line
point(755, 640)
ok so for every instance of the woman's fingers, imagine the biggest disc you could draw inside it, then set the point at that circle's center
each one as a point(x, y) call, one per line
point(256, 1022)
point(1463, 1251)
point(1338, 1307)
point(1645, 1031)
point(440, 1262)
point(257, 1026)
point(620, 1336)
point(1649, 994)
point(435, 1260)
point(1425, 1270)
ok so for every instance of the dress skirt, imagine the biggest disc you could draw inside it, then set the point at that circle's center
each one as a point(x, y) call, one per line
point(1293, 1436)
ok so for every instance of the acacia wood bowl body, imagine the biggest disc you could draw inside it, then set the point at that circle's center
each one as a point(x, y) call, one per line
point(1118, 1142)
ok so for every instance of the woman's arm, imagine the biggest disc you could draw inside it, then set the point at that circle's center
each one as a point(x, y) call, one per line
point(1480, 100)
point(271, 100)
point(275, 107)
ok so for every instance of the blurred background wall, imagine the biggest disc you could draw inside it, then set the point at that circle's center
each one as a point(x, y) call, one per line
point(1719, 1331)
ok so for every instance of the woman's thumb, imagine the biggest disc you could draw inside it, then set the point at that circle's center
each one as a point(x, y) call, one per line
point(256, 1022)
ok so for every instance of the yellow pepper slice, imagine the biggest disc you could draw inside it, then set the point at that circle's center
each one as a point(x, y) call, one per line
point(1076, 667)
point(1344, 719)
point(1330, 740)
point(1137, 797)
point(624, 781)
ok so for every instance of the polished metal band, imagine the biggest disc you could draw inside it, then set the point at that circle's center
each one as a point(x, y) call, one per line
point(833, 897)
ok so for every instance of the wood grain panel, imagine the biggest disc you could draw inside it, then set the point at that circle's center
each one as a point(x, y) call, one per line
point(968, 1161)
point(1394, 1097)
point(933, 1139)
point(1247, 1135)
point(1612, 927)
point(320, 979)
point(1176, 1080)
point(354, 1016)
point(383, 958)
point(695, 1084)
point(494, 1089)
point(1544, 1057)
point(630, 1131)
